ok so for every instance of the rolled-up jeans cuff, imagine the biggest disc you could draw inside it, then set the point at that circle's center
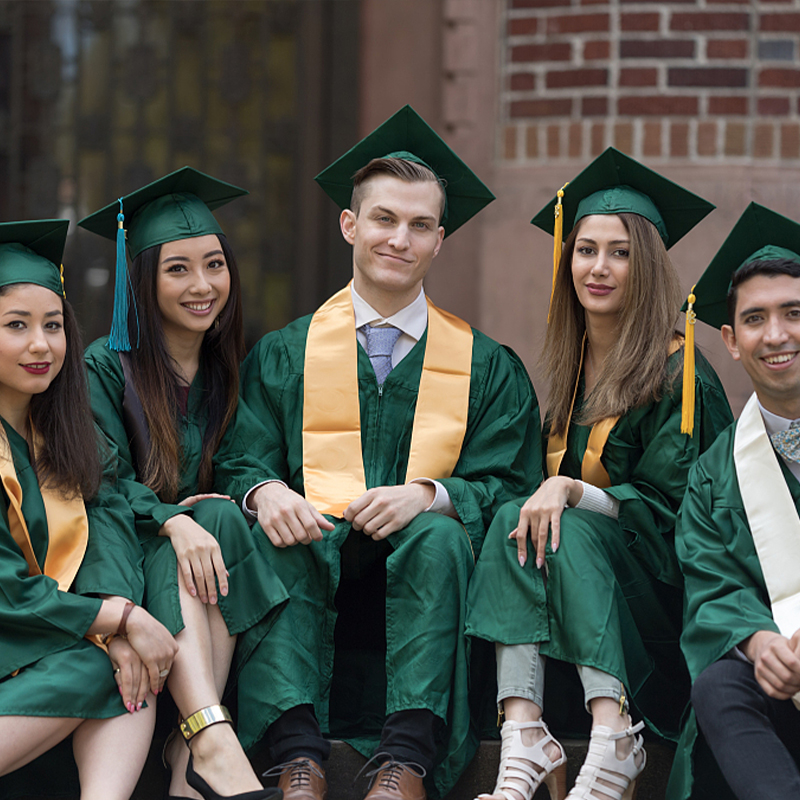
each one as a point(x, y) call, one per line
point(520, 673)
point(599, 684)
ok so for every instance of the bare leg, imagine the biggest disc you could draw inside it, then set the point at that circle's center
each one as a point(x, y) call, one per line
point(198, 677)
point(97, 744)
point(24, 738)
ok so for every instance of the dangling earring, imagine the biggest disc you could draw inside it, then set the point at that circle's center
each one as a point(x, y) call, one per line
point(216, 322)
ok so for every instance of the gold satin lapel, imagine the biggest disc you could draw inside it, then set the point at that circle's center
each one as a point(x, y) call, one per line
point(67, 525)
point(557, 443)
point(440, 418)
point(592, 469)
point(333, 463)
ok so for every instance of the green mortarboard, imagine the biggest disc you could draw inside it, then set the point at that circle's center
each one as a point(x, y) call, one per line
point(31, 252)
point(406, 135)
point(759, 234)
point(615, 183)
point(177, 206)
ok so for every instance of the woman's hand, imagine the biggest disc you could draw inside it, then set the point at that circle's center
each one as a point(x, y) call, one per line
point(129, 672)
point(542, 512)
point(153, 644)
point(196, 498)
point(199, 557)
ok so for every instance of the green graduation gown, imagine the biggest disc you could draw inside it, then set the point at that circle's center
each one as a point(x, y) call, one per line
point(42, 629)
point(425, 654)
point(255, 593)
point(726, 597)
point(612, 596)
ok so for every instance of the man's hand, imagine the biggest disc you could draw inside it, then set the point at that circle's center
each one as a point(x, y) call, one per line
point(286, 517)
point(199, 557)
point(541, 513)
point(381, 511)
point(777, 666)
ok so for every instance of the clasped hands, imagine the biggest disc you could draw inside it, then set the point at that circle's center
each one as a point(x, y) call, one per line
point(777, 662)
point(288, 519)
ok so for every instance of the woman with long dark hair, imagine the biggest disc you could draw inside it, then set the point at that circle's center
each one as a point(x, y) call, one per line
point(601, 588)
point(59, 518)
point(164, 389)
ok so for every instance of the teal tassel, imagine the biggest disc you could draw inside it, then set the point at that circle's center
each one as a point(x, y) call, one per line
point(118, 339)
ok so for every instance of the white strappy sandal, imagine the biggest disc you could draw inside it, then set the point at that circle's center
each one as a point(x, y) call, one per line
point(619, 776)
point(524, 768)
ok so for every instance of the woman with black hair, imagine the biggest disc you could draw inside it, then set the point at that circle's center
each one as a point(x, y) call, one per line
point(164, 389)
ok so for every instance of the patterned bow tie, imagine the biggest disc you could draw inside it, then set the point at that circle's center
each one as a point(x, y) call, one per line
point(380, 344)
point(787, 443)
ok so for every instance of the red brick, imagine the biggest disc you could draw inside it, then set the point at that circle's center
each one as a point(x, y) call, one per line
point(594, 2)
point(727, 48)
point(786, 22)
point(652, 139)
point(522, 82)
point(597, 142)
point(707, 139)
point(727, 105)
point(790, 140)
point(679, 139)
point(709, 21)
point(510, 143)
point(594, 106)
point(575, 143)
point(660, 2)
point(532, 141)
point(526, 26)
point(638, 76)
point(556, 51)
point(733, 77)
point(656, 48)
point(657, 104)
point(784, 78)
point(735, 139)
point(736, 2)
point(623, 136)
point(640, 22)
point(553, 141)
point(763, 141)
point(578, 23)
point(538, 3)
point(556, 107)
point(773, 106)
point(594, 50)
point(567, 78)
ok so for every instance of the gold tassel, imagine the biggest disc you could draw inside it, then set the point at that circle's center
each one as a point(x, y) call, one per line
point(63, 288)
point(558, 231)
point(687, 411)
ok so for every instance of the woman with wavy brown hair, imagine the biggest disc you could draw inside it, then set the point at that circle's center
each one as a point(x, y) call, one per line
point(601, 588)
point(164, 389)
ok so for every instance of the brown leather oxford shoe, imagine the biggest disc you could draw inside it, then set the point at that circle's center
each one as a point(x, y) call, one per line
point(301, 779)
point(394, 780)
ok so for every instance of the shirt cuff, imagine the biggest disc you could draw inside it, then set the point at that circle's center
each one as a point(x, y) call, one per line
point(442, 504)
point(251, 515)
point(595, 499)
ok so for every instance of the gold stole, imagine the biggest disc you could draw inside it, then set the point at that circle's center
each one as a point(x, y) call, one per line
point(592, 469)
point(67, 525)
point(772, 517)
point(333, 462)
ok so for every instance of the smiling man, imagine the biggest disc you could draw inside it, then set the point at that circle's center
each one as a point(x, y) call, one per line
point(400, 431)
point(739, 532)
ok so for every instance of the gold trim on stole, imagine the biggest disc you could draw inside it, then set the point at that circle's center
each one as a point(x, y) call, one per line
point(333, 462)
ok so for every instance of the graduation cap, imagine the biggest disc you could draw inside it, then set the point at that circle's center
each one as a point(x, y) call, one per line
point(758, 235)
point(407, 136)
point(31, 252)
point(177, 206)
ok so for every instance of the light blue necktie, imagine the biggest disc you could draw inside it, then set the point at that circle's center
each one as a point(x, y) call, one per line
point(380, 344)
point(787, 443)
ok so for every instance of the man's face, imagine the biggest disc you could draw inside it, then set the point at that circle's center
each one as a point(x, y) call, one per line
point(766, 339)
point(395, 236)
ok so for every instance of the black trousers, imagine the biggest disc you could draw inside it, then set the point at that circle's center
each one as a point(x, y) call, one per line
point(755, 738)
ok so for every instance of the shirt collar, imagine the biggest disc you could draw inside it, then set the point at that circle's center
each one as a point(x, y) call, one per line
point(772, 422)
point(411, 320)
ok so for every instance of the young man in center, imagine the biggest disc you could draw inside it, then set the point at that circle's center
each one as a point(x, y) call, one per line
point(400, 431)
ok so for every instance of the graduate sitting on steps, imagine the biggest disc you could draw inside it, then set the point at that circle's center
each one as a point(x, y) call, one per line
point(401, 431)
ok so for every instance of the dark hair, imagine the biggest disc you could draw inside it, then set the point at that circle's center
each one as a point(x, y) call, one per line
point(157, 381)
point(409, 171)
point(69, 457)
point(769, 267)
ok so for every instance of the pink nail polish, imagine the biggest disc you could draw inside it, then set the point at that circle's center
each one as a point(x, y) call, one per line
point(522, 561)
point(539, 562)
point(139, 707)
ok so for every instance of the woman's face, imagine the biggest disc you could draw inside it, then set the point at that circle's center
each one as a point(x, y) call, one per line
point(600, 263)
point(33, 344)
point(192, 285)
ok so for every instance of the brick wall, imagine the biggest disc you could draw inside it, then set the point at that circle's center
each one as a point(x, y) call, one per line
point(691, 80)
